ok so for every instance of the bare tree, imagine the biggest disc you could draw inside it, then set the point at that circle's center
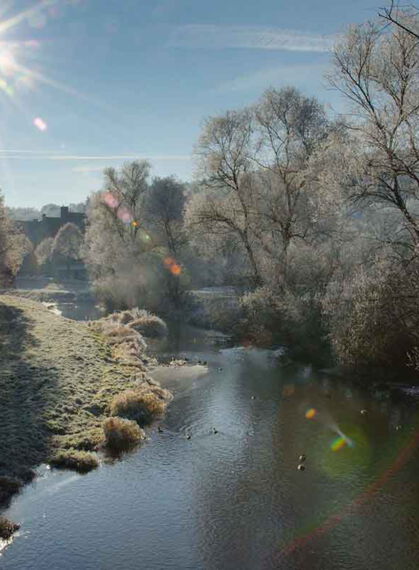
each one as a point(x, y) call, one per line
point(253, 162)
point(124, 194)
point(164, 206)
point(391, 15)
point(224, 150)
point(289, 127)
point(378, 71)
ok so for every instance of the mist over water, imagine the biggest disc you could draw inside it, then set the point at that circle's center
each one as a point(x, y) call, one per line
point(235, 499)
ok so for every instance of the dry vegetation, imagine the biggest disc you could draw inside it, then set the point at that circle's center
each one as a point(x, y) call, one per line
point(143, 405)
point(121, 434)
point(59, 380)
point(7, 528)
point(81, 461)
point(138, 320)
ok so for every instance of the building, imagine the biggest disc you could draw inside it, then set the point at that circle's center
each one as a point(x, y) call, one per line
point(37, 230)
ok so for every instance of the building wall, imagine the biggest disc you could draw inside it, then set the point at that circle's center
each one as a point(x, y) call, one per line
point(37, 230)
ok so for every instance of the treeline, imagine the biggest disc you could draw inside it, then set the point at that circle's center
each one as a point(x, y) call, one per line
point(323, 212)
point(313, 217)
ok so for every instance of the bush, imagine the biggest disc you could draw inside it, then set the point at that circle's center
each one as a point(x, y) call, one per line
point(121, 434)
point(143, 322)
point(7, 528)
point(283, 317)
point(142, 405)
point(374, 318)
point(117, 333)
point(149, 325)
point(81, 461)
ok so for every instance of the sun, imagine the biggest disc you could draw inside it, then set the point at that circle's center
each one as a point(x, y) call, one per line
point(16, 76)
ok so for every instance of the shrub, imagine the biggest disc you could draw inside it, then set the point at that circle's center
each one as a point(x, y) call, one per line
point(121, 434)
point(284, 317)
point(117, 333)
point(373, 318)
point(7, 528)
point(142, 405)
point(149, 325)
point(81, 461)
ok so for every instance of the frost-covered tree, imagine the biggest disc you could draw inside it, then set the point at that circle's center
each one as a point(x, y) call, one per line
point(125, 258)
point(43, 251)
point(377, 69)
point(67, 245)
point(13, 247)
point(254, 191)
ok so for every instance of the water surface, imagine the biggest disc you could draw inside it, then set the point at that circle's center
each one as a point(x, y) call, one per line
point(235, 499)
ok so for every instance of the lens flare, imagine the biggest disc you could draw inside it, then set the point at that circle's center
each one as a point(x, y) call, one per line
point(8, 89)
point(144, 236)
point(172, 265)
point(14, 53)
point(135, 224)
point(7, 62)
point(311, 413)
point(110, 200)
point(40, 124)
point(338, 444)
point(125, 215)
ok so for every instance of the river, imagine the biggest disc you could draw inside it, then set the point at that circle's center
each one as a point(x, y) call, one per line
point(235, 499)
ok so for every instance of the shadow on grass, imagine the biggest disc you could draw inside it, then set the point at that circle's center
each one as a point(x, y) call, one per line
point(25, 391)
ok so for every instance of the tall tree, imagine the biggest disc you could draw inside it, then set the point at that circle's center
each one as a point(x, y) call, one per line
point(378, 71)
point(164, 206)
point(289, 127)
point(253, 167)
point(224, 151)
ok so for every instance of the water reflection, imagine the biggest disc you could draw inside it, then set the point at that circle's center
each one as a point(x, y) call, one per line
point(235, 498)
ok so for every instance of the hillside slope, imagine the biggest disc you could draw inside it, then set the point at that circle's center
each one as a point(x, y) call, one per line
point(57, 380)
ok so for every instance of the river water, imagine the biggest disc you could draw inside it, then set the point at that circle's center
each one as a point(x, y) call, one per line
point(235, 499)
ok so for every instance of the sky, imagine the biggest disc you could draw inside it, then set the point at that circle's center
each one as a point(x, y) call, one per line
point(87, 84)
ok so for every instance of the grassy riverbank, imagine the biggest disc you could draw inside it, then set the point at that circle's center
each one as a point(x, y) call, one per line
point(58, 379)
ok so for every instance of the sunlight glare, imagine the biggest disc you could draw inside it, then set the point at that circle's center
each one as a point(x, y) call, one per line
point(40, 124)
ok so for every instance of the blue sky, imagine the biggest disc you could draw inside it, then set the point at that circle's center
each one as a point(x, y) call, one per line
point(86, 84)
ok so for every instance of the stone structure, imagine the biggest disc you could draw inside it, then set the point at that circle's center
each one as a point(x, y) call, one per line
point(37, 230)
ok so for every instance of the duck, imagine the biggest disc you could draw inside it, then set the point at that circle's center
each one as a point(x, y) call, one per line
point(302, 458)
point(301, 467)
point(214, 430)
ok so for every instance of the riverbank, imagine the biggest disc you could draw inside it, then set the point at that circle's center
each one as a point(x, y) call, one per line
point(58, 382)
